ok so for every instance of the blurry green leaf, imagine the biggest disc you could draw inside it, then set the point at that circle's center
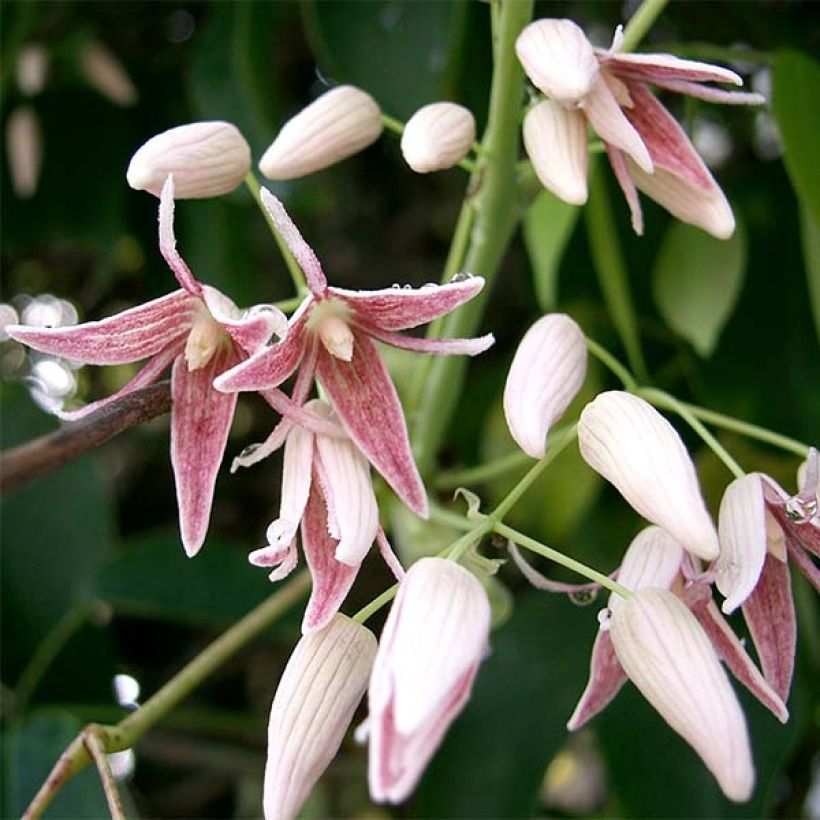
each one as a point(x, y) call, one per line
point(810, 235)
point(396, 50)
point(54, 534)
point(795, 80)
point(33, 748)
point(548, 226)
point(494, 757)
point(152, 576)
point(697, 280)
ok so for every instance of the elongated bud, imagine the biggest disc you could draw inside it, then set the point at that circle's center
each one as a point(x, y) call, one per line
point(320, 689)
point(556, 143)
point(24, 146)
point(106, 74)
point(430, 650)
point(558, 58)
point(340, 123)
point(32, 69)
point(437, 136)
point(206, 159)
point(667, 655)
point(546, 373)
point(634, 447)
point(742, 528)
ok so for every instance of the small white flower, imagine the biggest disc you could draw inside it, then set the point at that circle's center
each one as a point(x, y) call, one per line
point(206, 159)
point(337, 125)
point(437, 136)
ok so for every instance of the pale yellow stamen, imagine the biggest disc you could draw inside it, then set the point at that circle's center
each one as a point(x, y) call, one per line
point(203, 341)
point(329, 320)
point(775, 538)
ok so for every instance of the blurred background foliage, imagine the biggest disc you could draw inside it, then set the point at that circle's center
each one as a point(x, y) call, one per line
point(94, 581)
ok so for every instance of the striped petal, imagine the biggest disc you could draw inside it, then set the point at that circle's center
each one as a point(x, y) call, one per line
point(435, 347)
point(250, 329)
point(656, 68)
point(606, 677)
point(168, 241)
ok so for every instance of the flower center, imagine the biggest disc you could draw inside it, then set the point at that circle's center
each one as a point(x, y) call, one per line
point(204, 340)
point(328, 319)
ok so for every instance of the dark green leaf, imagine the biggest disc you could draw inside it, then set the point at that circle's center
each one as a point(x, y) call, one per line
point(810, 235)
point(795, 80)
point(697, 280)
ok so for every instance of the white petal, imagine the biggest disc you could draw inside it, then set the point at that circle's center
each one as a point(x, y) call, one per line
point(635, 448)
point(546, 373)
point(667, 655)
point(743, 536)
point(437, 136)
point(556, 143)
point(317, 695)
point(206, 159)
point(558, 58)
point(652, 560)
point(611, 125)
point(340, 123)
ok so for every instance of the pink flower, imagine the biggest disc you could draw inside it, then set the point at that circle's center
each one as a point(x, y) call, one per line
point(761, 527)
point(198, 332)
point(332, 336)
point(647, 148)
point(429, 654)
point(326, 485)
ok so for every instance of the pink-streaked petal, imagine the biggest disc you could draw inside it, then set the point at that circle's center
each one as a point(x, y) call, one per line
point(308, 419)
point(283, 561)
point(617, 159)
point(331, 579)
point(403, 308)
point(389, 556)
point(556, 143)
point(250, 329)
point(731, 651)
point(654, 68)
point(168, 240)
point(134, 334)
point(436, 347)
point(200, 422)
point(366, 401)
point(301, 251)
point(769, 614)
point(606, 677)
point(805, 565)
point(607, 119)
point(272, 365)
point(709, 94)
point(540, 581)
point(349, 494)
point(668, 144)
point(147, 375)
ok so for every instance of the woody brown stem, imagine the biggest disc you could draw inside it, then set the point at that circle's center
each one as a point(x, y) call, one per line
point(41, 456)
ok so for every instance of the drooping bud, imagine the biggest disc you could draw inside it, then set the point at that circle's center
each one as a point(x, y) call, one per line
point(106, 74)
point(546, 373)
point(31, 69)
point(317, 695)
point(558, 58)
point(556, 143)
point(667, 655)
point(206, 159)
point(437, 136)
point(337, 125)
point(430, 650)
point(634, 447)
point(24, 141)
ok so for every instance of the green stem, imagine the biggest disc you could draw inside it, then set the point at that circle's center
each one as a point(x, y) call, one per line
point(441, 515)
point(289, 305)
point(296, 274)
point(610, 267)
point(559, 558)
point(661, 399)
point(126, 733)
point(612, 364)
point(557, 442)
point(496, 216)
point(510, 463)
point(376, 604)
point(640, 23)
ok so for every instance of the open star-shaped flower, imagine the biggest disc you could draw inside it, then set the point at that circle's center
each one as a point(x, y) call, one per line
point(331, 336)
point(199, 333)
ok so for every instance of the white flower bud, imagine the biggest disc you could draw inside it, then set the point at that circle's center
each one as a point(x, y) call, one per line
point(634, 447)
point(206, 158)
point(31, 69)
point(340, 123)
point(547, 372)
point(105, 73)
point(437, 136)
point(320, 689)
point(24, 145)
point(668, 656)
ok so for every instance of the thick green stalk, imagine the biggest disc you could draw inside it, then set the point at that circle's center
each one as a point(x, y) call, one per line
point(640, 23)
point(495, 218)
